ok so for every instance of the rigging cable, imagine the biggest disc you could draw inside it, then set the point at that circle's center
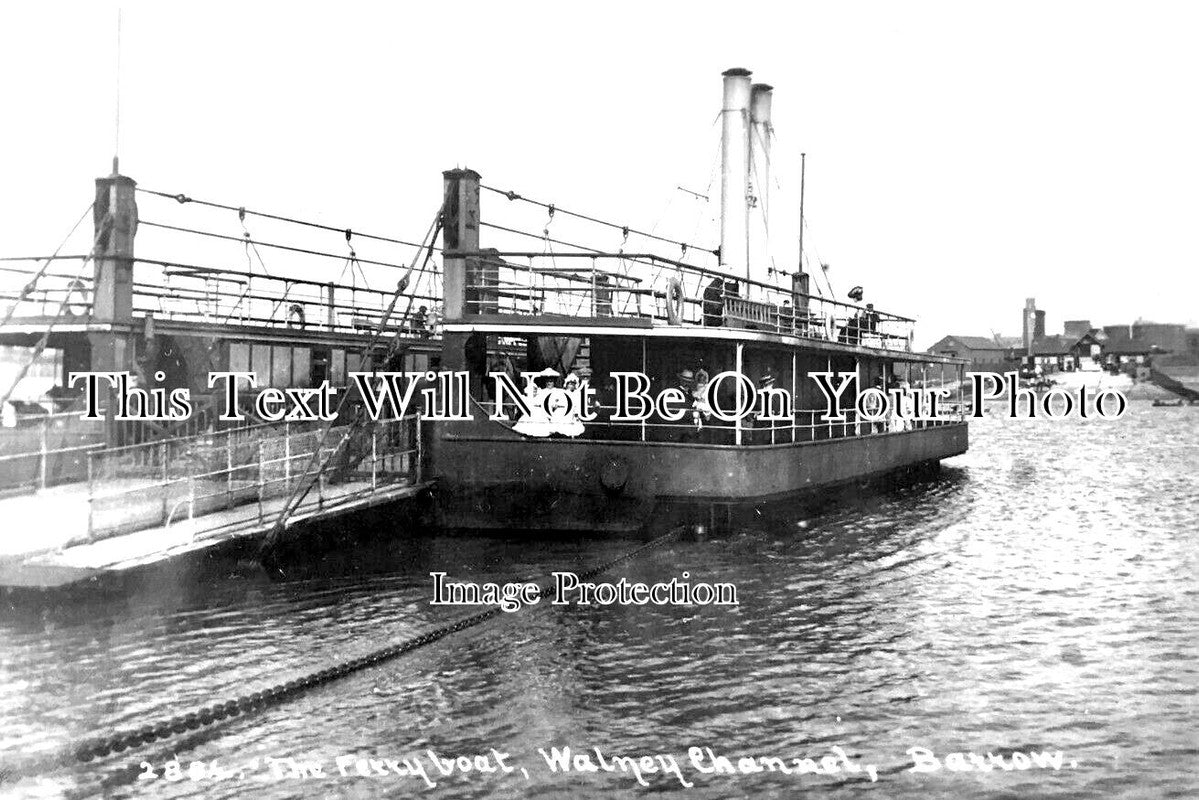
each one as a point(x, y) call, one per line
point(289, 248)
point(183, 199)
point(514, 196)
point(28, 288)
point(40, 347)
point(309, 478)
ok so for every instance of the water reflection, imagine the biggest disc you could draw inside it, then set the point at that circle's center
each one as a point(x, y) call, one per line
point(1040, 593)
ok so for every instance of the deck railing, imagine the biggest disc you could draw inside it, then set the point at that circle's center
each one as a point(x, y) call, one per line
point(805, 425)
point(171, 290)
point(647, 286)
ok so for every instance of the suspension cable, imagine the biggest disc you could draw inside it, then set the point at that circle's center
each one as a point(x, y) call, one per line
point(184, 199)
point(289, 248)
point(551, 207)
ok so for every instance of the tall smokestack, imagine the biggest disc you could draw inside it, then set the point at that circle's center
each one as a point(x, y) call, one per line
point(734, 172)
point(1030, 323)
point(759, 174)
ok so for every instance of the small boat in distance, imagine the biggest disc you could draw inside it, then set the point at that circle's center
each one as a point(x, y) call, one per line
point(584, 314)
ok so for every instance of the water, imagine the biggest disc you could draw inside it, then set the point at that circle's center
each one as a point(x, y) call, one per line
point(1041, 595)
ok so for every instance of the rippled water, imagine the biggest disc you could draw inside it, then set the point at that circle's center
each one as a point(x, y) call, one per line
point(1041, 595)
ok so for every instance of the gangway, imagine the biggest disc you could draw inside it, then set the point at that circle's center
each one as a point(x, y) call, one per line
point(141, 504)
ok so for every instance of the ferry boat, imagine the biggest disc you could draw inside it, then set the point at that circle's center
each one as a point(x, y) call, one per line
point(147, 487)
point(584, 314)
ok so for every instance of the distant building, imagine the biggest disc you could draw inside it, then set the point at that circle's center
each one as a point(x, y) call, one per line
point(1167, 342)
point(985, 354)
point(1033, 323)
point(1118, 352)
point(1076, 327)
point(1064, 353)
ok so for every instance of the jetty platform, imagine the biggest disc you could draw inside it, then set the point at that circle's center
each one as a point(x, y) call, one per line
point(129, 507)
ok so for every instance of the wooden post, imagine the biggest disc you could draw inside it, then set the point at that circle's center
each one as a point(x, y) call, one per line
point(374, 459)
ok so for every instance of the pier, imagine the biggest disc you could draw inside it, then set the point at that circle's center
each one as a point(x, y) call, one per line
point(76, 512)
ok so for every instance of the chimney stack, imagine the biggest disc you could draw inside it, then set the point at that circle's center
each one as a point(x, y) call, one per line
point(1030, 322)
point(734, 172)
point(759, 172)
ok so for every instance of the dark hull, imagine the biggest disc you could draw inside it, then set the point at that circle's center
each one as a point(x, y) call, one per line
point(486, 482)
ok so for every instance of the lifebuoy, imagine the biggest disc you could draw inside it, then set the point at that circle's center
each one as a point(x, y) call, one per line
point(674, 301)
point(83, 306)
point(295, 314)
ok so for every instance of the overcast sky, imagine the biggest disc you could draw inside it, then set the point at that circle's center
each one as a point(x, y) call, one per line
point(961, 156)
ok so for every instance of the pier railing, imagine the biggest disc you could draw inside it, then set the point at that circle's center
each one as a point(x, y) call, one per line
point(255, 469)
point(647, 286)
point(212, 481)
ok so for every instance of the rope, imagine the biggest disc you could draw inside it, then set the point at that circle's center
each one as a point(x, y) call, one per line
point(551, 207)
point(32, 284)
point(130, 738)
point(183, 199)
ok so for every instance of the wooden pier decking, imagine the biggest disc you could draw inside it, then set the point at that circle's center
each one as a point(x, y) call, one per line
point(150, 503)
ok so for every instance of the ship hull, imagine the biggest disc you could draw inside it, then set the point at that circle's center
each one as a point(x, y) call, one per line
point(573, 485)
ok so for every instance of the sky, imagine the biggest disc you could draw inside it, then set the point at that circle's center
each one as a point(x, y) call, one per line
point(961, 157)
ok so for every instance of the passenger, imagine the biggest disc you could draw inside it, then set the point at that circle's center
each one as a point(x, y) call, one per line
point(537, 424)
point(420, 322)
point(700, 410)
point(571, 425)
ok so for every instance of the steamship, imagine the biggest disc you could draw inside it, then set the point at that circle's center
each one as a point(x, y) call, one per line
point(584, 314)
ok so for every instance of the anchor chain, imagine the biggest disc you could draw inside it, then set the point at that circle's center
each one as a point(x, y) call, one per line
point(128, 739)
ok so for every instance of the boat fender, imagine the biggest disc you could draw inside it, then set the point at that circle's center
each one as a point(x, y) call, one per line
point(830, 327)
point(674, 301)
point(614, 475)
point(295, 316)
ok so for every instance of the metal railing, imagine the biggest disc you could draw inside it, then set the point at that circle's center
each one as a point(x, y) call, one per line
point(805, 426)
point(666, 291)
point(175, 291)
point(158, 484)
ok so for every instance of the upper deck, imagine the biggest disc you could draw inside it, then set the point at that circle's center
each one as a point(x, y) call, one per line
point(648, 295)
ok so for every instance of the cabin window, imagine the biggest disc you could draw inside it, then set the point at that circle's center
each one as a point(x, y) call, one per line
point(260, 362)
point(337, 366)
point(239, 357)
point(280, 366)
point(301, 366)
point(318, 371)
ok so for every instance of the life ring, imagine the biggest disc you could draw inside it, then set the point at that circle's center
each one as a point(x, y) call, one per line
point(674, 301)
point(295, 316)
point(80, 308)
